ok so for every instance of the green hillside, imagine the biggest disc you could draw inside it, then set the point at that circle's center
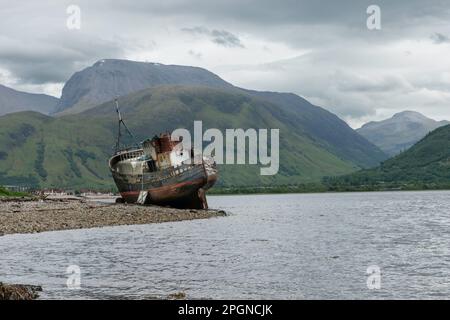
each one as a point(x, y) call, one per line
point(111, 78)
point(7, 193)
point(425, 165)
point(4, 192)
point(72, 151)
point(36, 150)
point(333, 133)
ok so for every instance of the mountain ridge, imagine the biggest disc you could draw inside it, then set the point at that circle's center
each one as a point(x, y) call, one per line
point(67, 150)
point(12, 100)
point(400, 132)
point(72, 151)
point(102, 80)
point(118, 77)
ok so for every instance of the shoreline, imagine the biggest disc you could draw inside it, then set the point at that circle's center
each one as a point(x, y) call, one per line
point(20, 216)
point(325, 192)
point(19, 291)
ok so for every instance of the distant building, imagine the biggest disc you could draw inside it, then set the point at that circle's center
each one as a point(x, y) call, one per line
point(17, 188)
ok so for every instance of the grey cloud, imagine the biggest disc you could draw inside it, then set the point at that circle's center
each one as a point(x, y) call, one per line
point(195, 54)
point(350, 70)
point(439, 38)
point(354, 83)
point(220, 37)
point(226, 39)
point(53, 59)
point(196, 30)
point(267, 13)
point(323, 23)
point(298, 23)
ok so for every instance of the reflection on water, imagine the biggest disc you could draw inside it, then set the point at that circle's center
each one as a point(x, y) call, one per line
point(271, 246)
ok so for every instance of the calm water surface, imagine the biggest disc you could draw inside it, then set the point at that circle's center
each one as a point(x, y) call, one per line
point(292, 246)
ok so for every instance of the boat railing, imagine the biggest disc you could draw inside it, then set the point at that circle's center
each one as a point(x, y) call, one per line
point(130, 154)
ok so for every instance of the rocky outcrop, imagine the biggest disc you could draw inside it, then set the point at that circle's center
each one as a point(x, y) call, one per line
point(18, 291)
point(111, 78)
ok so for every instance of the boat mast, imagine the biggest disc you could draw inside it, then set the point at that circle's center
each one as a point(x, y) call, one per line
point(121, 123)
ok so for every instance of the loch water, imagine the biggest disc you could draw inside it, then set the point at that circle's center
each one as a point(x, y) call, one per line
point(287, 246)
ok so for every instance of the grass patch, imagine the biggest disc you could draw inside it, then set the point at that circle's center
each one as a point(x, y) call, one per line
point(6, 193)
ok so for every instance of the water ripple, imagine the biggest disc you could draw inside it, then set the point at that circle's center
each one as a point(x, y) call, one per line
point(298, 246)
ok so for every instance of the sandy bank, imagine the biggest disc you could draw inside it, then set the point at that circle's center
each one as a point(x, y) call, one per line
point(21, 216)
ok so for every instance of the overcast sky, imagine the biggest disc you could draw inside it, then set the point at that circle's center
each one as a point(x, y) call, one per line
point(321, 50)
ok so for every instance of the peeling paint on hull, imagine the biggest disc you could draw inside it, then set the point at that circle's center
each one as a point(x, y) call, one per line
point(180, 187)
point(180, 195)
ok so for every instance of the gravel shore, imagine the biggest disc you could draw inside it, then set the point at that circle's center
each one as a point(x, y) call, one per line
point(18, 292)
point(32, 216)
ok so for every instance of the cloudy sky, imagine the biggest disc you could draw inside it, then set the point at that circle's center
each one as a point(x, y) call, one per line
point(321, 50)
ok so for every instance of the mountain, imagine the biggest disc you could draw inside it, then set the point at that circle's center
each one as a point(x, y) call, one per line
point(323, 126)
point(14, 101)
point(110, 78)
point(72, 151)
point(424, 165)
point(400, 132)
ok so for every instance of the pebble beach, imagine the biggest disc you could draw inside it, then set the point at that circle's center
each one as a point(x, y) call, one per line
point(33, 216)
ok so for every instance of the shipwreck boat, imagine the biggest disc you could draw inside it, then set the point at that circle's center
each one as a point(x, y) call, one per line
point(160, 171)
